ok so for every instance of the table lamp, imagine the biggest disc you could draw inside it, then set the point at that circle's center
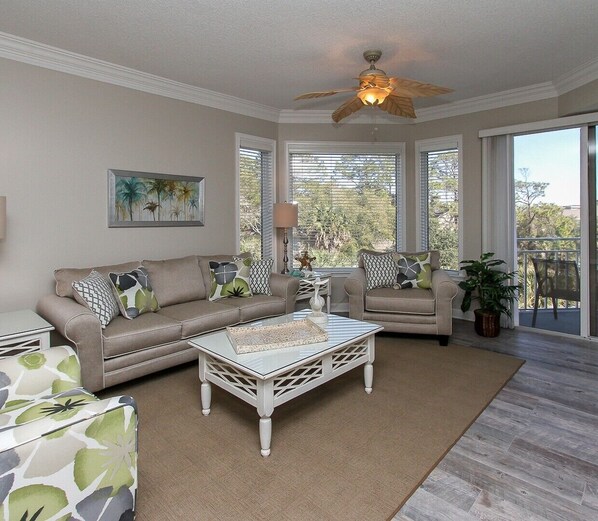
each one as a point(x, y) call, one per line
point(286, 215)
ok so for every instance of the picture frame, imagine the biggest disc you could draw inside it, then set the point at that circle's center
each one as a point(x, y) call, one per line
point(145, 199)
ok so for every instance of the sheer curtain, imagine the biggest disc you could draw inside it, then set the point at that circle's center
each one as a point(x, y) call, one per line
point(498, 211)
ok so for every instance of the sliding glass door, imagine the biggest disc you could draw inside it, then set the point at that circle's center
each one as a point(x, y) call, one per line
point(592, 288)
point(548, 224)
point(540, 214)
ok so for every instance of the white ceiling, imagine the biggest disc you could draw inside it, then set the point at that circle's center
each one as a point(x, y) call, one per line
point(269, 51)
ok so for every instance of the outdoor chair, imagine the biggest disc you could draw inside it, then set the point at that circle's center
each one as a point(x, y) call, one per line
point(64, 454)
point(555, 279)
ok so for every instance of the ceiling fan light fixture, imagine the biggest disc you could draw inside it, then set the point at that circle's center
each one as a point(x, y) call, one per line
point(372, 96)
point(376, 89)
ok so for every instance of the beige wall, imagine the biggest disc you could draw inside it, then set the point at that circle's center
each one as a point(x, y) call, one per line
point(61, 133)
point(59, 136)
point(579, 101)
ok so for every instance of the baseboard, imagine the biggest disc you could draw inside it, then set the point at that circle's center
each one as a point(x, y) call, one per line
point(458, 314)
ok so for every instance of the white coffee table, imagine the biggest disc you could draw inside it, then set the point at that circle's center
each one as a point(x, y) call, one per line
point(270, 378)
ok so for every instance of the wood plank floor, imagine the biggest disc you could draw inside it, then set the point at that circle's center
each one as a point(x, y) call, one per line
point(533, 453)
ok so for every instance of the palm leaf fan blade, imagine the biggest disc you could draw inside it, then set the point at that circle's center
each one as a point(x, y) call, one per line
point(416, 89)
point(347, 108)
point(322, 94)
point(398, 106)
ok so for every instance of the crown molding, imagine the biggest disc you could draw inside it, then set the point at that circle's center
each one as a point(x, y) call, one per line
point(368, 116)
point(41, 55)
point(34, 53)
point(496, 100)
point(577, 77)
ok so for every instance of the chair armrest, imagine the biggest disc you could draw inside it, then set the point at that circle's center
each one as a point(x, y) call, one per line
point(60, 463)
point(32, 375)
point(286, 287)
point(444, 289)
point(78, 325)
point(355, 289)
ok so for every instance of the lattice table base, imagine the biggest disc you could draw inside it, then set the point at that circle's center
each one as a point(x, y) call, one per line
point(269, 392)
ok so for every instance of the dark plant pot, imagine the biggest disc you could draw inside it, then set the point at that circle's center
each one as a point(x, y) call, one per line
point(486, 323)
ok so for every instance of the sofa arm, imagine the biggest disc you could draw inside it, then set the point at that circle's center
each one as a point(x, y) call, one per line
point(355, 289)
point(32, 375)
point(286, 287)
point(444, 290)
point(82, 328)
point(60, 463)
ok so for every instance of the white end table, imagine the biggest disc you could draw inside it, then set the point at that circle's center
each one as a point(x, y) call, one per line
point(23, 332)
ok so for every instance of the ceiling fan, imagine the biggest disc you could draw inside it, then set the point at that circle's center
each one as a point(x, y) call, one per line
point(376, 89)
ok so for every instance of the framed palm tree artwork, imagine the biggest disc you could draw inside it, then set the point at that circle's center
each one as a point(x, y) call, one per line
point(148, 199)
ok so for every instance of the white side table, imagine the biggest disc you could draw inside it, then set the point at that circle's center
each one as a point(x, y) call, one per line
point(306, 288)
point(23, 332)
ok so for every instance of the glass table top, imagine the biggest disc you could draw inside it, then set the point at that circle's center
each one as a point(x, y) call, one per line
point(262, 364)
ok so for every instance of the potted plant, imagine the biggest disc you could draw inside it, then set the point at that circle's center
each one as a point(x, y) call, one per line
point(492, 287)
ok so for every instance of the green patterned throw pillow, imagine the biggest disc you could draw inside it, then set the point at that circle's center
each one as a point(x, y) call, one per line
point(414, 271)
point(134, 293)
point(230, 279)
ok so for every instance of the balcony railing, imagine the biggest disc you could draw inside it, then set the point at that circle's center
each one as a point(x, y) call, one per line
point(563, 248)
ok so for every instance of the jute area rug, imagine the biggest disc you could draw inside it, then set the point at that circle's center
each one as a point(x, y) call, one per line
point(337, 452)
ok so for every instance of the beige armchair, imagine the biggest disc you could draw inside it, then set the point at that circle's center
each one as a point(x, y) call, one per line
point(412, 310)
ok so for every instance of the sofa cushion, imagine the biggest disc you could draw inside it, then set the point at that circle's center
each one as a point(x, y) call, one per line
point(258, 306)
point(201, 316)
point(124, 336)
point(176, 280)
point(95, 292)
point(380, 270)
point(66, 276)
point(134, 292)
point(413, 301)
point(229, 279)
point(414, 271)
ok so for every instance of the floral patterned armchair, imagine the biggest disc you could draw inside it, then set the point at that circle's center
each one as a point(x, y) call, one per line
point(65, 455)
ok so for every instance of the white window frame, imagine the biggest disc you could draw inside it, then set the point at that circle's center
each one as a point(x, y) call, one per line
point(433, 145)
point(345, 147)
point(265, 145)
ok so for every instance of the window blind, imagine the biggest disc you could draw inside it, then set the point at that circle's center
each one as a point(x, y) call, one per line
point(439, 204)
point(256, 201)
point(346, 202)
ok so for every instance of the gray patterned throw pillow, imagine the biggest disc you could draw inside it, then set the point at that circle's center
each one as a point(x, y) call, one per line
point(94, 291)
point(380, 270)
point(259, 275)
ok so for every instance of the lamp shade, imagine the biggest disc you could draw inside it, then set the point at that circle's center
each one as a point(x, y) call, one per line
point(372, 96)
point(2, 216)
point(286, 215)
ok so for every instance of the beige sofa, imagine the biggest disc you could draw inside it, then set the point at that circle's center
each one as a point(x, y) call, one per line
point(413, 310)
point(127, 349)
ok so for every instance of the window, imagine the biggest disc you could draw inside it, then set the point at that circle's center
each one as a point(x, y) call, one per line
point(439, 178)
point(255, 195)
point(349, 197)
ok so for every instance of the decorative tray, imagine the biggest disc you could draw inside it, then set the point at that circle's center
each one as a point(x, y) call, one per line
point(250, 339)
